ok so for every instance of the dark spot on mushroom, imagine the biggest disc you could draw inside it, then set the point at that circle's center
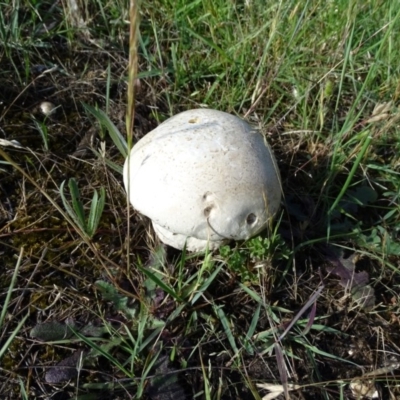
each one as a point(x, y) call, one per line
point(251, 219)
point(194, 120)
point(207, 211)
point(207, 196)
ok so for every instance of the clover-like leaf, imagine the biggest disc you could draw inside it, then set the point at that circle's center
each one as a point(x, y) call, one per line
point(110, 293)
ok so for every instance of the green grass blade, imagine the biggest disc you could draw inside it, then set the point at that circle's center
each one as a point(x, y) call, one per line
point(209, 43)
point(103, 350)
point(10, 288)
point(42, 129)
point(316, 350)
point(254, 322)
point(96, 211)
point(160, 283)
point(205, 285)
point(24, 394)
point(247, 343)
point(227, 329)
point(4, 310)
point(251, 293)
point(77, 203)
point(91, 227)
point(114, 166)
point(367, 142)
point(14, 333)
point(70, 210)
point(113, 131)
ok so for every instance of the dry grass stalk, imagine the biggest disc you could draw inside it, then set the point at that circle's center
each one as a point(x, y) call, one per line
point(132, 67)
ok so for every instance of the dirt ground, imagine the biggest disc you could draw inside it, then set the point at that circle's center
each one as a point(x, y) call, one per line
point(58, 271)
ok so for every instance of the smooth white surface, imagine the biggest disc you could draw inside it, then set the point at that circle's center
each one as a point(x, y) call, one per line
point(203, 176)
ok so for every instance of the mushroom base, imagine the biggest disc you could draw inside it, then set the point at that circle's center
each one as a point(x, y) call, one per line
point(178, 241)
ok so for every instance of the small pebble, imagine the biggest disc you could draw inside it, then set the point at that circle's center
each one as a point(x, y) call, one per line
point(47, 108)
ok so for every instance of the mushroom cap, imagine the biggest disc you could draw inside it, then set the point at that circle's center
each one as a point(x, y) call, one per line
point(203, 177)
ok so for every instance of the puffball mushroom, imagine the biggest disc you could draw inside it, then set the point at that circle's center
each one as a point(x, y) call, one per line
point(203, 177)
point(47, 108)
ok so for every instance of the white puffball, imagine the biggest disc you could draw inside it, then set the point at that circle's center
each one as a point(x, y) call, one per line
point(203, 177)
